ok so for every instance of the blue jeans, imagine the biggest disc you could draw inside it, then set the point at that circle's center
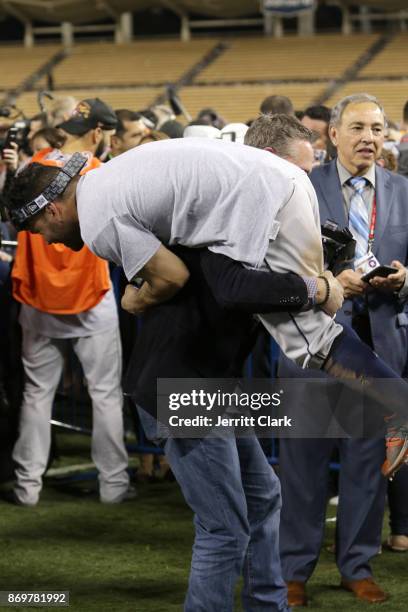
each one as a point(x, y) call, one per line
point(235, 497)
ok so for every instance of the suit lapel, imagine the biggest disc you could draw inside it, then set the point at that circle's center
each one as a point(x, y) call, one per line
point(330, 191)
point(383, 194)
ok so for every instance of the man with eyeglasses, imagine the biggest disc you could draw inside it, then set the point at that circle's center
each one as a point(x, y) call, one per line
point(354, 191)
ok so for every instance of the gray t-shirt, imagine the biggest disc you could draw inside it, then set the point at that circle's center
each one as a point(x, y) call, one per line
point(240, 201)
point(193, 192)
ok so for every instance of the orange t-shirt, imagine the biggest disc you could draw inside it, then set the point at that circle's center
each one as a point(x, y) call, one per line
point(51, 277)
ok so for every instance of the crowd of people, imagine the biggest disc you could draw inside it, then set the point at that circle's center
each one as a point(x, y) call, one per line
point(216, 226)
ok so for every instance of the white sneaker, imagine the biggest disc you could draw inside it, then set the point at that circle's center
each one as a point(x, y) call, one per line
point(334, 501)
point(128, 495)
point(398, 543)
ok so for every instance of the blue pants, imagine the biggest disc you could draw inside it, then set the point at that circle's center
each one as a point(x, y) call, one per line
point(235, 497)
point(350, 355)
point(304, 477)
point(304, 473)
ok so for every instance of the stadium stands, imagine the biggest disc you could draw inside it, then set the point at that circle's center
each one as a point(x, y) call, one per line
point(133, 64)
point(286, 58)
point(385, 76)
point(234, 82)
point(17, 63)
point(392, 62)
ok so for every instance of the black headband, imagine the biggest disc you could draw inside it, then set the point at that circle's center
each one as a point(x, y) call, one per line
point(57, 186)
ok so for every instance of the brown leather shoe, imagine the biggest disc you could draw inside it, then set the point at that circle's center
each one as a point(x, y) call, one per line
point(296, 593)
point(366, 590)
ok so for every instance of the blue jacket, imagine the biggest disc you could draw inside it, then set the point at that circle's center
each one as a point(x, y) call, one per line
point(388, 319)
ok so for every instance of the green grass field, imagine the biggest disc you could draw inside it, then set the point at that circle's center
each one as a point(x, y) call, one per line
point(135, 556)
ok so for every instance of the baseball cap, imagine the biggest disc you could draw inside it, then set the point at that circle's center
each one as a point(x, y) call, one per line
point(88, 115)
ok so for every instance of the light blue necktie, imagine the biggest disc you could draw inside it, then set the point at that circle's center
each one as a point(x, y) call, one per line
point(358, 215)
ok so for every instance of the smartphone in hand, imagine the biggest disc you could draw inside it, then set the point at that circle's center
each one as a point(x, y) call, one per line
point(382, 271)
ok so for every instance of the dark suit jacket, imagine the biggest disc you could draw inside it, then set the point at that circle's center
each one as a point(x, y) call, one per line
point(388, 319)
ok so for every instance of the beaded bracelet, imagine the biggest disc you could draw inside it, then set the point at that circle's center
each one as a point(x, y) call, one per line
point(326, 299)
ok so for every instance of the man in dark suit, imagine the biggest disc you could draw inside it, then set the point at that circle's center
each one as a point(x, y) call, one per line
point(376, 312)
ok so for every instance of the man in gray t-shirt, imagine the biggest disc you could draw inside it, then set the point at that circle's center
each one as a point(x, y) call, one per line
point(233, 199)
point(256, 208)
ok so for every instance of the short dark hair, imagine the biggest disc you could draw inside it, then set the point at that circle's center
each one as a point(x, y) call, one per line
point(210, 117)
point(319, 113)
point(278, 132)
point(273, 105)
point(55, 137)
point(172, 129)
point(28, 184)
point(123, 114)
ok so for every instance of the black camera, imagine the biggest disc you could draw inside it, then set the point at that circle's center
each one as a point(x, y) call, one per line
point(339, 247)
point(17, 133)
